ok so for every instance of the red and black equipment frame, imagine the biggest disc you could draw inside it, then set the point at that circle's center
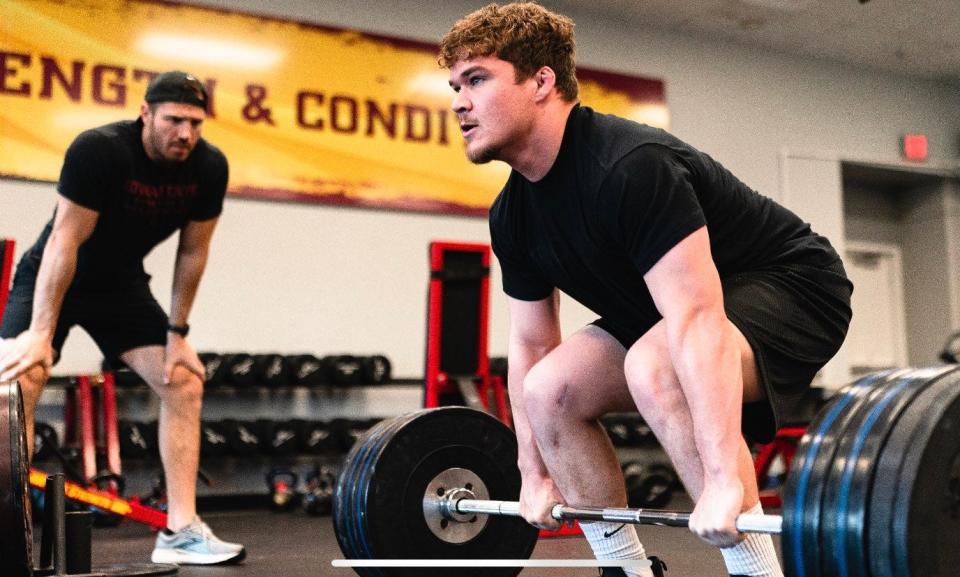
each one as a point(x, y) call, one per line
point(458, 305)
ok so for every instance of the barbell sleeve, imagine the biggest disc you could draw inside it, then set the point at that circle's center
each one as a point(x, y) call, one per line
point(745, 523)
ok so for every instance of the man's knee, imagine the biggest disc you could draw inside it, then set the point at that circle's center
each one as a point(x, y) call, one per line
point(546, 393)
point(31, 384)
point(184, 387)
point(652, 379)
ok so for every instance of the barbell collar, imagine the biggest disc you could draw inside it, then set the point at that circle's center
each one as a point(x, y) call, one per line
point(745, 523)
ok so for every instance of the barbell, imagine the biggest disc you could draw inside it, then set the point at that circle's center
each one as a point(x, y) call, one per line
point(873, 490)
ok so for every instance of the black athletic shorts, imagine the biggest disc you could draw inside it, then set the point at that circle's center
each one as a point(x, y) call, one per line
point(795, 318)
point(118, 319)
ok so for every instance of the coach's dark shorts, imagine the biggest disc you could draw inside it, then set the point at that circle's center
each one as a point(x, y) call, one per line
point(795, 318)
point(118, 319)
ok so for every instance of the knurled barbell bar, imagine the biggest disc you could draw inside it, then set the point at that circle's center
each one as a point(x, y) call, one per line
point(452, 504)
point(873, 490)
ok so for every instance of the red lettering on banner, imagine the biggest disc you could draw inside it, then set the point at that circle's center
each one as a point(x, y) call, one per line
point(302, 98)
point(412, 112)
point(108, 82)
point(375, 115)
point(117, 85)
point(442, 116)
point(7, 71)
point(51, 70)
point(336, 108)
point(341, 114)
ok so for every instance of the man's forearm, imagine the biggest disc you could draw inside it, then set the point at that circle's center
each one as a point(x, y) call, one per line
point(521, 359)
point(57, 269)
point(707, 362)
point(186, 280)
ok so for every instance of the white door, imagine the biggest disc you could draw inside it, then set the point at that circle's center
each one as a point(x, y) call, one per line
point(877, 336)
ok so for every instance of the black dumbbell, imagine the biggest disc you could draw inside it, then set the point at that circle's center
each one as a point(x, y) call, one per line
point(282, 437)
point(213, 439)
point(238, 370)
point(305, 370)
point(243, 437)
point(282, 484)
point(639, 433)
point(649, 486)
point(375, 370)
point(319, 440)
point(342, 370)
point(213, 366)
point(347, 431)
point(618, 429)
point(137, 439)
point(318, 497)
point(271, 370)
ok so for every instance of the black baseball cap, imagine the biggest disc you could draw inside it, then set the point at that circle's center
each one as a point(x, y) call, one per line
point(177, 86)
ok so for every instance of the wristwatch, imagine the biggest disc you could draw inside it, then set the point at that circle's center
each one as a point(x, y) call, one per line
point(181, 330)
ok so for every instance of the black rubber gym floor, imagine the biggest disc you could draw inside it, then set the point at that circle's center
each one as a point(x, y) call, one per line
point(294, 544)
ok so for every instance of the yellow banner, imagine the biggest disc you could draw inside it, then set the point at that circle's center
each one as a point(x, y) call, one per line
point(303, 112)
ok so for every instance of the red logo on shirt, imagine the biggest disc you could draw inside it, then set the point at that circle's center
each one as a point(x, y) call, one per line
point(159, 200)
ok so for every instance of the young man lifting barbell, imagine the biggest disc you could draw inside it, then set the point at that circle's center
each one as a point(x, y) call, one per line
point(716, 305)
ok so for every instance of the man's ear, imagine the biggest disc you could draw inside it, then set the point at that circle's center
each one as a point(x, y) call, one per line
point(546, 80)
point(144, 111)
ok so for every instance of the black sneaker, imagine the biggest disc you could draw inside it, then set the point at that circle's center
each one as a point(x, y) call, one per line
point(656, 564)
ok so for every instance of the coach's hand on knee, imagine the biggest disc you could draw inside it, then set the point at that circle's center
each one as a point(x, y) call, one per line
point(538, 496)
point(28, 350)
point(715, 515)
point(180, 353)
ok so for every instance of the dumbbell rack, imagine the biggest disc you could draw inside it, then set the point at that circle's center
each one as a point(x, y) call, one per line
point(245, 475)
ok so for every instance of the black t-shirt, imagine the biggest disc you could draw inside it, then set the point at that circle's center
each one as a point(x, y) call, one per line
point(619, 196)
point(140, 202)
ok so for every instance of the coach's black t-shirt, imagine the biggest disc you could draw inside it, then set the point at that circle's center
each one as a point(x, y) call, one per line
point(619, 196)
point(140, 202)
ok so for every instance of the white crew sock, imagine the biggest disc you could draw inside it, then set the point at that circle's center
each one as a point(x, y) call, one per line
point(616, 541)
point(755, 555)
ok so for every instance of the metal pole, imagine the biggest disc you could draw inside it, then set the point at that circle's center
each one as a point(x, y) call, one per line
point(745, 523)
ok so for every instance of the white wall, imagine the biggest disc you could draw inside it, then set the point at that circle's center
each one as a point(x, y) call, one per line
point(291, 277)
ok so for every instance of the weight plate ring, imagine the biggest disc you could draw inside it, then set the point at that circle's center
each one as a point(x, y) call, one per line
point(448, 487)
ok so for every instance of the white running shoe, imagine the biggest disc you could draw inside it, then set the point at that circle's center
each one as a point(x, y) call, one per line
point(195, 544)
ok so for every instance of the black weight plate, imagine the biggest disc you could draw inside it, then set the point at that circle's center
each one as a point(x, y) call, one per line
point(364, 468)
point(804, 487)
point(852, 513)
point(821, 483)
point(345, 524)
point(16, 546)
point(850, 474)
point(342, 495)
point(426, 445)
point(915, 492)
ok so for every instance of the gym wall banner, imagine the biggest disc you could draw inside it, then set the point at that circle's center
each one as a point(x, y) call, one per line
point(303, 112)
